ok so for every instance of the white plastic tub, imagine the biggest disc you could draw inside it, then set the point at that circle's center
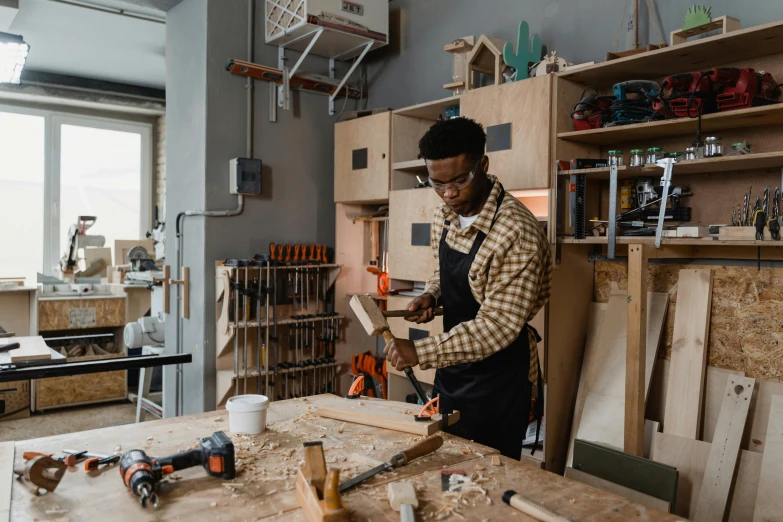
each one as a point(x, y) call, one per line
point(247, 414)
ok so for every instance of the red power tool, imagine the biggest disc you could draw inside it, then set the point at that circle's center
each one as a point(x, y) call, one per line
point(745, 88)
point(141, 473)
point(686, 95)
point(592, 111)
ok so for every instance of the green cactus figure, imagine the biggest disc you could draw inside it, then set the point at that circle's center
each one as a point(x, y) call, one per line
point(524, 57)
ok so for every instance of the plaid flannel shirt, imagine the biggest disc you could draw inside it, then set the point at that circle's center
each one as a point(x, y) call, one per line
point(510, 277)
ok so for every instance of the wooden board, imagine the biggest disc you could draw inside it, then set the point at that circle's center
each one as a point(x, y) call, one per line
point(617, 489)
point(689, 354)
point(602, 417)
point(389, 415)
point(57, 392)
point(6, 479)
point(406, 208)
point(16, 307)
point(362, 184)
point(123, 246)
point(56, 314)
point(637, 375)
point(722, 462)
point(30, 349)
point(742, 234)
point(16, 396)
point(759, 416)
point(769, 501)
point(690, 457)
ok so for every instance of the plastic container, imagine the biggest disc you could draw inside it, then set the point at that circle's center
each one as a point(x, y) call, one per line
point(676, 156)
point(654, 154)
point(616, 157)
point(247, 413)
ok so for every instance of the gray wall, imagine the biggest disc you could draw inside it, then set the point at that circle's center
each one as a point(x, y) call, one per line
point(205, 129)
point(415, 67)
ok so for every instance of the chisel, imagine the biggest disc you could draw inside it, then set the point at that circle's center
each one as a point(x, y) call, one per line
point(421, 449)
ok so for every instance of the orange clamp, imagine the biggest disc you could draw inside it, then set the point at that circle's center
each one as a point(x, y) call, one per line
point(312, 253)
point(323, 254)
point(429, 409)
point(356, 388)
point(272, 248)
point(288, 253)
point(297, 249)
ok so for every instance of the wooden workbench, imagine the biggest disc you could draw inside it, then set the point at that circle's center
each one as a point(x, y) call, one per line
point(267, 464)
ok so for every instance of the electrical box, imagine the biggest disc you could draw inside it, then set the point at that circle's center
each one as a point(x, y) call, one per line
point(245, 176)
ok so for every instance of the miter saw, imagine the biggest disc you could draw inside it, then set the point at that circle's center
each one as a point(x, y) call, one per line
point(143, 270)
point(78, 238)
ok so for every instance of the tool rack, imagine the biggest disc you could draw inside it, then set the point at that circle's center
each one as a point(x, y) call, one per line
point(717, 184)
point(270, 343)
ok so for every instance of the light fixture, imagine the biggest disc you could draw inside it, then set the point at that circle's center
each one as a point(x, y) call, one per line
point(13, 55)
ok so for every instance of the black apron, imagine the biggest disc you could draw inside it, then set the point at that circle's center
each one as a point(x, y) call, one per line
point(493, 394)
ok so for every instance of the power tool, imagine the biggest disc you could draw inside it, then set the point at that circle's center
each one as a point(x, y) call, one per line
point(592, 111)
point(745, 88)
point(141, 473)
point(687, 95)
point(634, 102)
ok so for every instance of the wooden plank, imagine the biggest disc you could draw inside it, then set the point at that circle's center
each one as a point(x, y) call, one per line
point(769, 500)
point(690, 457)
point(602, 416)
point(30, 349)
point(6, 479)
point(617, 489)
point(722, 462)
point(398, 416)
point(636, 351)
point(759, 415)
point(429, 110)
point(689, 353)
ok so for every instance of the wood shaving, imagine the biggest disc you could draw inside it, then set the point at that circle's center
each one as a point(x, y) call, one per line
point(213, 504)
point(218, 419)
point(56, 511)
point(117, 448)
point(360, 403)
point(273, 445)
point(495, 460)
point(466, 451)
point(271, 492)
point(479, 468)
point(341, 428)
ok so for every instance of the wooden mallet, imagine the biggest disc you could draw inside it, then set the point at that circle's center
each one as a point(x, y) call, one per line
point(375, 323)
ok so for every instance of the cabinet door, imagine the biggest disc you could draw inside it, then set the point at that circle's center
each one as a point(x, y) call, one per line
point(362, 161)
point(517, 119)
point(410, 219)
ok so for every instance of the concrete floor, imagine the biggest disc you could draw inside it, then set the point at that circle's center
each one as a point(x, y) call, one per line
point(68, 420)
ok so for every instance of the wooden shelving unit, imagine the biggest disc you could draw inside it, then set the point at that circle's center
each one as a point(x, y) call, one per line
point(417, 165)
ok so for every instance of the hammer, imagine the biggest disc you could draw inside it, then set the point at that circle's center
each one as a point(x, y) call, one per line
point(375, 323)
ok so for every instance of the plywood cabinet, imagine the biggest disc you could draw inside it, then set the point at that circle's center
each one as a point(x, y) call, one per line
point(410, 218)
point(517, 119)
point(362, 159)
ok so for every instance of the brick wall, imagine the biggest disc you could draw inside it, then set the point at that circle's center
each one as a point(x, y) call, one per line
point(159, 168)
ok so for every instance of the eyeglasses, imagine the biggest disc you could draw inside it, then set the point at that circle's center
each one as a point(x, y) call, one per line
point(458, 184)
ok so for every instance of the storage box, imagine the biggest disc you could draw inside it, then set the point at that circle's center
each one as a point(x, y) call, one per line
point(362, 159)
point(411, 257)
point(14, 400)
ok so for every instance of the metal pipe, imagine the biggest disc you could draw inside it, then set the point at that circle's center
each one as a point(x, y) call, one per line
point(267, 290)
point(249, 83)
point(236, 331)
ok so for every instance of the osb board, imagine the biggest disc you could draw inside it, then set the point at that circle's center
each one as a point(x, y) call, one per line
point(79, 389)
point(16, 396)
point(746, 305)
point(266, 468)
point(15, 311)
point(406, 208)
point(54, 314)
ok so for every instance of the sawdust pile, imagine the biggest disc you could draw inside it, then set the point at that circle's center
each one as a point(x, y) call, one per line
point(746, 325)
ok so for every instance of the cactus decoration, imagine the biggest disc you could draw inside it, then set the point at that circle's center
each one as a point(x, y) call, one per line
point(526, 53)
point(697, 15)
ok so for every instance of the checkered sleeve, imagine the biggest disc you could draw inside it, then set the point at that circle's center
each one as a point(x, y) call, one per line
point(514, 282)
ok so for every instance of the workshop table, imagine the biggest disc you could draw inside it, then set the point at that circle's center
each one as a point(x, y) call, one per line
point(264, 487)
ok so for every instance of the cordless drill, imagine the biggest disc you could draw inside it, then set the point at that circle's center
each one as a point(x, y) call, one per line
point(142, 473)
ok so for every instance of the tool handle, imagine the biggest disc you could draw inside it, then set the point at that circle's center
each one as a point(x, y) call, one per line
point(272, 249)
point(332, 500)
point(408, 313)
point(288, 253)
point(182, 460)
point(387, 335)
point(423, 448)
point(312, 253)
point(530, 508)
point(10, 346)
point(324, 258)
point(416, 384)
point(27, 455)
point(759, 219)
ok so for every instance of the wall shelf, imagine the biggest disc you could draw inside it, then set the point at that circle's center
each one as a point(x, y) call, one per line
point(745, 44)
point(429, 110)
point(417, 165)
point(763, 160)
point(738, 119)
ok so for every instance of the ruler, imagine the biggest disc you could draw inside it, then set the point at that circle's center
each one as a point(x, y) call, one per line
point(666, 181)
point(612, 229)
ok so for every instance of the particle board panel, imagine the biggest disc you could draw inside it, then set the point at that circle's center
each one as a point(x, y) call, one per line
point(16, 398)
point(82, 389)
point(689, 354)
point(602, 384)
point(15, 308)
point(406, 208)
point(362, 184)
point(746, 303)
point(722, 462)
point(769, 501)
point(406, 133)
point(55, 314)
point(690, 458)
point(6, 479)
point(617, 489)
point(30, 349)
point(526, 105)
point(398, 416)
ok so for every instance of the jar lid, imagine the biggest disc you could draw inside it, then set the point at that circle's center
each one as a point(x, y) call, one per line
point(711, 139)
point(637, 151)
point(675, 154)
point(740, 144)
point(655, 149)
point(690, 149)
point(611, 152)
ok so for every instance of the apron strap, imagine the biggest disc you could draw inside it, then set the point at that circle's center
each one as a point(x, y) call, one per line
point(539, 410)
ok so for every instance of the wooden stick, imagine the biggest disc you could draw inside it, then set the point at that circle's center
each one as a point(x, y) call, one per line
point(530, 508)
point(408, 313)
point(636, 350)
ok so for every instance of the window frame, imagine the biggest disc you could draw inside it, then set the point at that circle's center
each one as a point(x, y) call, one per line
point(53, 122)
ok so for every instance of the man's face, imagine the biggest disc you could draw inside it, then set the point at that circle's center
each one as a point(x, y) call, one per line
point(469, 200)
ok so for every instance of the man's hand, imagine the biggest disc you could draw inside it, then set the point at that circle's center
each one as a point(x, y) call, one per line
point(425, 304)
point(401, 353)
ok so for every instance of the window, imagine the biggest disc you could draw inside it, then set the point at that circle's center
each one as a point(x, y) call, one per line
point(55, 167)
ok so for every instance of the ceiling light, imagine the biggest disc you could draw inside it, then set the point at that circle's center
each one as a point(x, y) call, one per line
point(13, 55)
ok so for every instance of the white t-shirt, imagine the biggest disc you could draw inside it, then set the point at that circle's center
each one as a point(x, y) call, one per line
point(465, 222)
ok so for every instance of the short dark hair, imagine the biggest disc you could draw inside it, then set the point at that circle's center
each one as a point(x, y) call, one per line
point(451, 138)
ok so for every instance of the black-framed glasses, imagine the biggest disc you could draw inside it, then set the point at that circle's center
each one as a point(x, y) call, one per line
point(459, 184)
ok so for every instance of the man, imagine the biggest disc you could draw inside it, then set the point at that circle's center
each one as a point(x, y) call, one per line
point(494, 275)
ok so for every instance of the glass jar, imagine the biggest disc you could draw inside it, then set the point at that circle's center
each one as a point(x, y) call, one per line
point(691, 153)
point(637, 158)
point(676, 156)
point(616, 157)
point(713, 147)
point(741, 148)
point(654, 154)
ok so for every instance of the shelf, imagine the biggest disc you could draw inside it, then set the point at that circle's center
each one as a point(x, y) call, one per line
point(736, 46)
point(429, 110)
point(738, 119)
point(763, 160)
point(418, 165)
point(649, 240)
